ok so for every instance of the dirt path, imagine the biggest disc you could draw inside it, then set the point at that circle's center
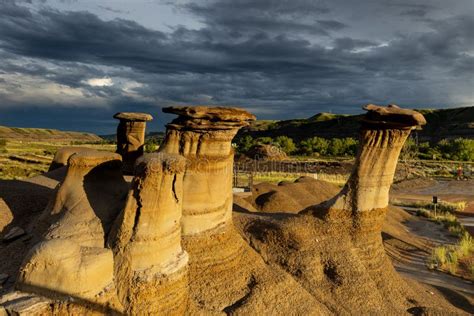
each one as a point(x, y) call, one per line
point(446, 190)
point(411, 263)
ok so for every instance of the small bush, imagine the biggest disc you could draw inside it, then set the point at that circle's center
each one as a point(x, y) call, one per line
point(465, 245)
point(448, 257)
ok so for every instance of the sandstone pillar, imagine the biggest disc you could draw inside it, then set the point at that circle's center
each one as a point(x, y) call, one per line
point(150, 265)
point(131, 137)
point(72, 258)
point(365, 196)
point(203, 135)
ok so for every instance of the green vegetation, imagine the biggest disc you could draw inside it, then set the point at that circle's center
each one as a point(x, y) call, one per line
point(321, 117)
point(22, 159)
point(152, 144)
point(448, 257)
point(286, 144)
point(442, 206)
point(460, 149)
point(451, 258)
point(276, 177)
point(447, 219)
point(314, 146)
point(449, 124)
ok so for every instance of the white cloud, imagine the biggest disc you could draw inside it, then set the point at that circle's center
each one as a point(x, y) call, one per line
point(100, 82)
point(24, 89)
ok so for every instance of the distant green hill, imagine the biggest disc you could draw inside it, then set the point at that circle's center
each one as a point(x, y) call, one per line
point(444, 123)
point(45, 135)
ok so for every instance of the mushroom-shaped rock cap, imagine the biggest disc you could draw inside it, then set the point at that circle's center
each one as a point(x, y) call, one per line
point(133, 116)
point(219, 113)
point(392, 116)
point(167, 163)
point(93, 158)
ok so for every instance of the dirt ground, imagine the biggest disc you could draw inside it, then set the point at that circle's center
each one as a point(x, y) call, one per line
point(446, 190)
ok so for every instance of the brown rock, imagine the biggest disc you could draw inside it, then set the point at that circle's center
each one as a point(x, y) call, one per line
point(392, 116)
point(62, 155)
point(150, 265)
point(203, 135)
point(14, 233)
point(6, 215)
point(72, 258)
point(131, 137)
point(22, 304)
point(266, 152)
point(219, 113)
point(133, 116)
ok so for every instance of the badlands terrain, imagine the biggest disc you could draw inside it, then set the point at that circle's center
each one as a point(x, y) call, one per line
point(164, 233)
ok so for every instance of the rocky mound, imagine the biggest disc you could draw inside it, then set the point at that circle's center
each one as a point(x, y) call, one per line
point(266, 152)
point(288, 197)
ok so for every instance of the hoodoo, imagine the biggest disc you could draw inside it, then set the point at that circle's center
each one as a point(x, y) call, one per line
point(72, 258)
point(63, 154)
point(174, 246)
point(334, 249)
point(150, 265)
point(131, 137)
point(203, 135)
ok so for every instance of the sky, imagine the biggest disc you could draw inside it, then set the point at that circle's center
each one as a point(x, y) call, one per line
point(72, 64)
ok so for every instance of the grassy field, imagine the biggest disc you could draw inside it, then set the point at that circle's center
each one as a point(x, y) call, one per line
point(276, 177)
point(23, 159)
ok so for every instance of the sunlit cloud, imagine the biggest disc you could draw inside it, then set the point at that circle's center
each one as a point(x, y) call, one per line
point(100, 82)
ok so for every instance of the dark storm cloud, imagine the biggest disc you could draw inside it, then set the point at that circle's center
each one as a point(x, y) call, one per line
point(106, 8)
point(415, 10)
point(269, 56)
point(243, 16)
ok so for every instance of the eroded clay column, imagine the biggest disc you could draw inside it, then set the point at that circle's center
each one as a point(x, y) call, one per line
point(150, 265)
point(384, 131)
point(203, 135)
point(131, 137)
point(72, 258)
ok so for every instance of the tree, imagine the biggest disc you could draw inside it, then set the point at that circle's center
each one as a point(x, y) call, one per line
point(350, 146)
point(245, 143)
point(286, 144)
point(264, 141)
point(463, 149)
point(314, 145)
point(336, 147)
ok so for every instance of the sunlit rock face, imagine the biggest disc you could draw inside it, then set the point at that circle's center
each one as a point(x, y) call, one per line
point(72, 257)
point(203, 135)
point(150, 264)
point(365, 196)
point(131, 137)
point(63, 154)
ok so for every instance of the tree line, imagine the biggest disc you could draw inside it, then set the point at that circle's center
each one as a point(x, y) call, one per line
point(460, 149)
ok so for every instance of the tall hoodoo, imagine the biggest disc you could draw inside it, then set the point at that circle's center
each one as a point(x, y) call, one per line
point(363, 201)
point(203, 135)
point(72, 258)
point(131, 137)
point(384, 131)
point(150, 265)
